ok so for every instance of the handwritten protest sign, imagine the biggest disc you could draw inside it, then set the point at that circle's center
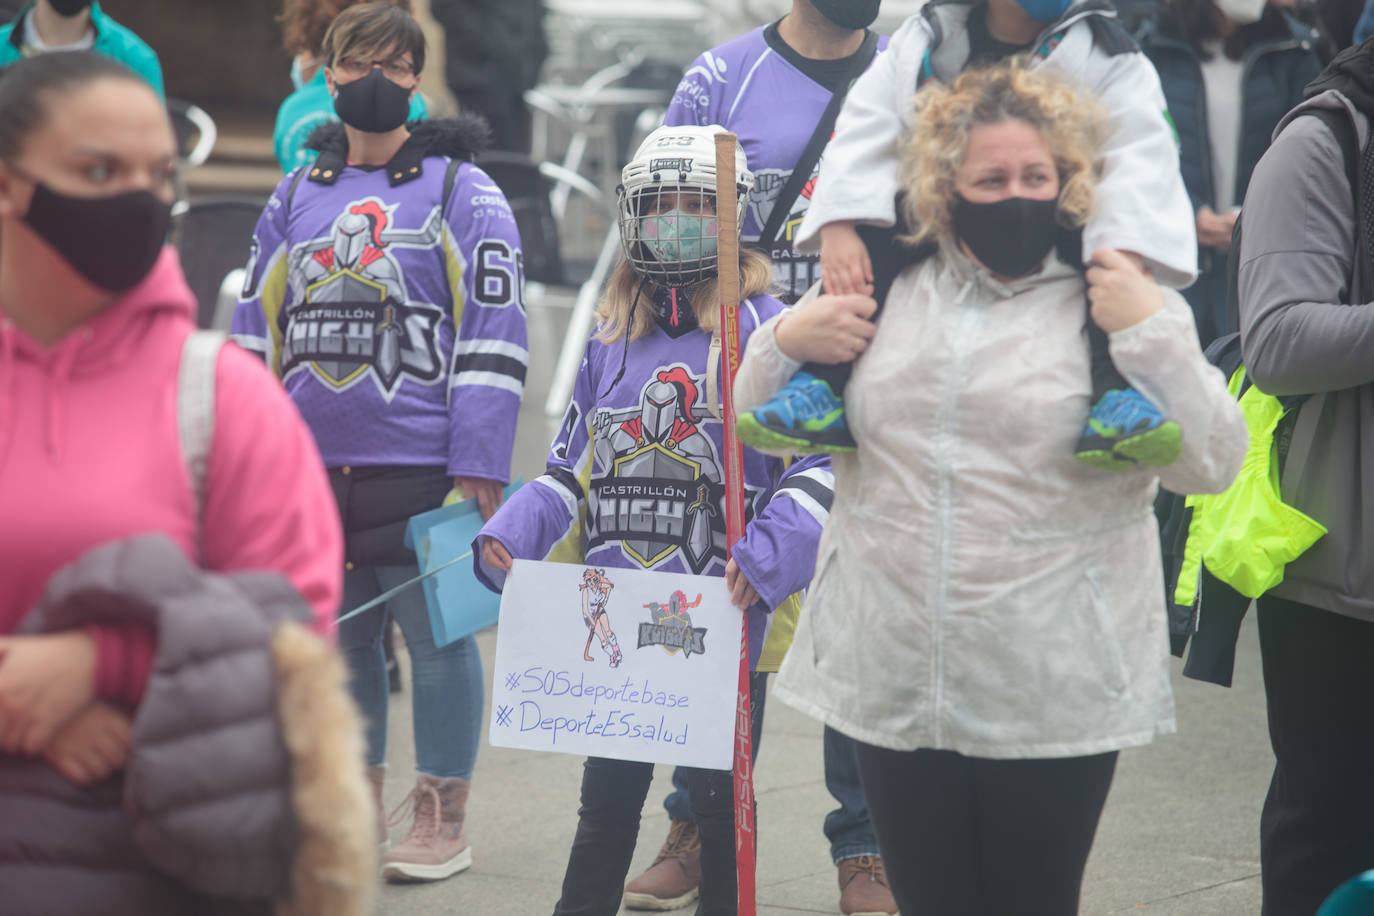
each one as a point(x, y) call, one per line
point(619, 663)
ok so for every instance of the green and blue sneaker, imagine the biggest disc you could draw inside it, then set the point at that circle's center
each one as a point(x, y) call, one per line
point(804, 417)
point(1125, 430)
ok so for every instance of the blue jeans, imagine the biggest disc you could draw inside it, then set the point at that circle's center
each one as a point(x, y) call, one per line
point(446, 684)
point(848, 828)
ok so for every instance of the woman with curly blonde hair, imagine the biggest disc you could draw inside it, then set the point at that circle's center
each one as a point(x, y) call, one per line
point(986, 621)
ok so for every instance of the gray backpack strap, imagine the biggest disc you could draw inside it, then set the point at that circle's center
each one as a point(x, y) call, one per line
point(196, 407)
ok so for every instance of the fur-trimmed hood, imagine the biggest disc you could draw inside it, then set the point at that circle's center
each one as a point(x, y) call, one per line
point(462, 137)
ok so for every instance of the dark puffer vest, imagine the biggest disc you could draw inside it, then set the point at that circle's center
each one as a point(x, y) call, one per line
point(1279, 61)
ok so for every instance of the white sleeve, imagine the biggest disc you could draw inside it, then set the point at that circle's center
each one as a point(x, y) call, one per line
point(1161, 358)
point(1142, 205)
point(764, 369)
point(858, 177)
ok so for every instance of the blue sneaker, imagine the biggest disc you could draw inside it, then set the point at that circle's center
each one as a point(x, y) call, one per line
point(804, 417)
point(1124, 429)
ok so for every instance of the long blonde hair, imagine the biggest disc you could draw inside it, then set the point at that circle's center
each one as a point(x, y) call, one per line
point(623, 290)
point(1073, 124)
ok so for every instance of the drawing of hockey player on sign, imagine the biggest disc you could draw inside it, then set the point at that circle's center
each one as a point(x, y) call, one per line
point(596, 591)
point(353, 314)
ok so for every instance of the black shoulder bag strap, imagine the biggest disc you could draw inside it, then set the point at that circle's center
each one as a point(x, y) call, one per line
point(801, 172)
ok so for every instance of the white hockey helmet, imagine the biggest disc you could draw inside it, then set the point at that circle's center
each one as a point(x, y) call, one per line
point(675, 169)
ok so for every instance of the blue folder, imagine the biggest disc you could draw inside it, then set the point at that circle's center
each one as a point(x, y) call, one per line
point(458, 604)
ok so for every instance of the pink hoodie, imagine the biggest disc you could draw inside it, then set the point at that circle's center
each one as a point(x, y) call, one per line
point(89, 453)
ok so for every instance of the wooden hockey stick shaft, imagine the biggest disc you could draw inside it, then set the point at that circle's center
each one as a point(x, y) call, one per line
point(727, 249)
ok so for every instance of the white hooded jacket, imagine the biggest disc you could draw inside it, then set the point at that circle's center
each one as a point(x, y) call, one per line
point(1144, 206)
point(977, 588)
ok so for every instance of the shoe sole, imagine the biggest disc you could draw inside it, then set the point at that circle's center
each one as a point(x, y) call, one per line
point(1104, 459)
point(1158, 447)
point(634, 901)
point(767, 439)
point(410, 873)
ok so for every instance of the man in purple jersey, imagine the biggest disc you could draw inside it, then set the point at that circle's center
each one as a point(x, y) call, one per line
point(772, 87)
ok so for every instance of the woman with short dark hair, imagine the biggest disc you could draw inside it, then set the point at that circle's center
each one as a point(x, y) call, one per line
point(386, 291)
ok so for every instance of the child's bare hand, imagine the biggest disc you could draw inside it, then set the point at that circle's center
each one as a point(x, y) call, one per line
point(1121, 294)
point(741, 592)
point(495, 555)
point(828, 329)
point(845, 266)
point(93, 746)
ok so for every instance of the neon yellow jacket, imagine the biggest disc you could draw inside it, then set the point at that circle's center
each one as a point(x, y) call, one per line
point(1246, 535)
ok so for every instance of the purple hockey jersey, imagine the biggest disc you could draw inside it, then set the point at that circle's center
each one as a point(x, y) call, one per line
point(394, 319)
point(634, 480)
point(751, 88)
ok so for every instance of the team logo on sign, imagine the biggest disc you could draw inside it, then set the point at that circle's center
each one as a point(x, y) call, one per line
point(672, 627)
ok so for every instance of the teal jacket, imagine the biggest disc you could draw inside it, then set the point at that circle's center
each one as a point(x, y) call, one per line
point(111, 39)
point(306, 109)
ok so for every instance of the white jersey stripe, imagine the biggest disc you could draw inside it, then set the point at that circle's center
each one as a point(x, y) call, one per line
point(489, 380)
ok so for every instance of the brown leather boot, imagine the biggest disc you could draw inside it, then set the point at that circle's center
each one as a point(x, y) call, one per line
point(863, 888)
point(672, 880)
point(376, 776)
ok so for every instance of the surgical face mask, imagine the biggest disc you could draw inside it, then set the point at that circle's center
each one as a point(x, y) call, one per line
point(1241, 12)
point(1046, 11)
point(373, 104)
point(848, 14)
point(111, 241)
point(1010, 237)
point(69, 8)
point(676, 237)
point(297, 75)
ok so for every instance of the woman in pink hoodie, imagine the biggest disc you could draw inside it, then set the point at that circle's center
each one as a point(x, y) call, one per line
point(94, 312)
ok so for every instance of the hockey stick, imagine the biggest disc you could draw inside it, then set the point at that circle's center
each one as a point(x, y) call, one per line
point(727, 247)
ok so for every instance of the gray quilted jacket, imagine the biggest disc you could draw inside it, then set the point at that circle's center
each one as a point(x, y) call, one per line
point(243, 709)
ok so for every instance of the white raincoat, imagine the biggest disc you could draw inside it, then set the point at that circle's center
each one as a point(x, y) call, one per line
point(978, 589)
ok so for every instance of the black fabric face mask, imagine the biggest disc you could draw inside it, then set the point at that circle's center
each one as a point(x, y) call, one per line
point(68, 8)
point(111, 241)
point(848, 14)
point(373, 104)
point(1010, 237)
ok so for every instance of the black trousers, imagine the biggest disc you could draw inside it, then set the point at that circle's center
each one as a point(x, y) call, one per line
point(1317, 825)
point(968, 836)
point(613, 793)
point(889, 259)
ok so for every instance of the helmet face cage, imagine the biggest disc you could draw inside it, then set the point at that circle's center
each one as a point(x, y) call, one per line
point(667, 206)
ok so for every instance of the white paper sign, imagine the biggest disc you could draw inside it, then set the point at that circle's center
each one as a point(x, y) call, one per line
point(620, 663)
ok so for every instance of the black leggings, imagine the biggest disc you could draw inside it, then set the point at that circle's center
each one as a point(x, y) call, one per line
point(889, 259)
point(968, 836)
point(1317, 827)
point(613, 793)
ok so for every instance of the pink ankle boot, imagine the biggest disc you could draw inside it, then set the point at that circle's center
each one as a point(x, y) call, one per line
point(436, 846)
